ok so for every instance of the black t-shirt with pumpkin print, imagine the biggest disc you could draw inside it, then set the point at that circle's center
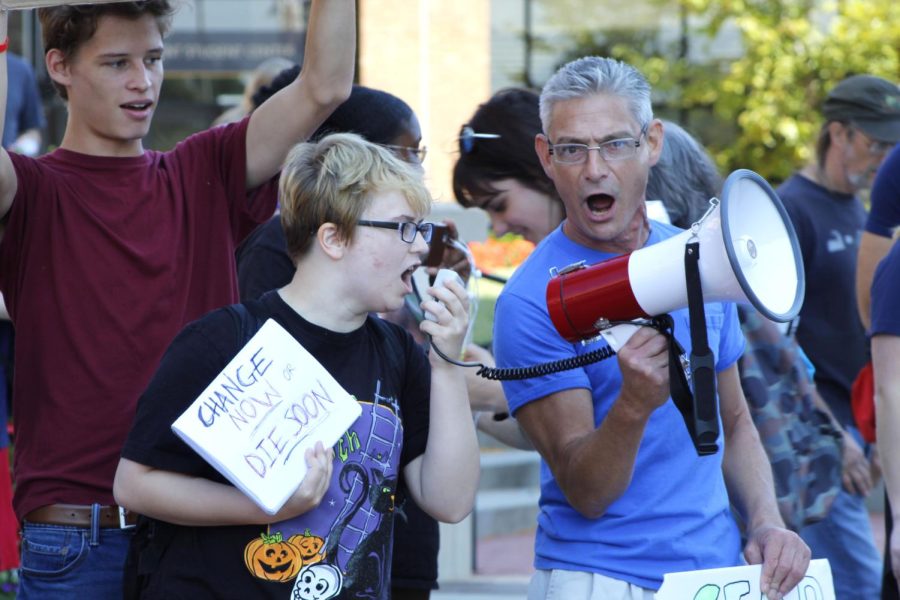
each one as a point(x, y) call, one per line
point(342, 549)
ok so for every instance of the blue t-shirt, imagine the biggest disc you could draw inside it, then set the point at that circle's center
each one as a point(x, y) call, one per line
point(23, 105)
point(884, 214)
point(675, 514)
point(886, 294)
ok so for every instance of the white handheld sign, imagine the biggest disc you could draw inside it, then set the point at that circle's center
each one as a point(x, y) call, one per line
point(742, 583)
point(256, 419)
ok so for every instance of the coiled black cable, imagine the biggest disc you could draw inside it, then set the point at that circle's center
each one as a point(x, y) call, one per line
point(516, 373)
point(662, 323)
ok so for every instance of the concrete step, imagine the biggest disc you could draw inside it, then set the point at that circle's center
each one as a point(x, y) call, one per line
point(479, 588)
point(499, 499)
point(508, 468)
point(505, 511)
point(508, 493)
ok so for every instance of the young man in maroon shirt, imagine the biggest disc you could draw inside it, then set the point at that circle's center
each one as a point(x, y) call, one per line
point(110, 249)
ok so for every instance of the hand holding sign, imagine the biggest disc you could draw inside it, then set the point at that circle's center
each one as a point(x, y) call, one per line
point(257, 419)
point(320, 462)
point(741, 583)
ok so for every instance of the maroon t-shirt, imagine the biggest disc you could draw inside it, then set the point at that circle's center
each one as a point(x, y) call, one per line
point(103, 261)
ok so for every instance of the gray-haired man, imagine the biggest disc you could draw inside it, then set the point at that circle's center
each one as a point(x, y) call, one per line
point(625, 498)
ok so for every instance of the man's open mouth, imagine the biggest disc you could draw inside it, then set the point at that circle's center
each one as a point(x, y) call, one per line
point(599, 203)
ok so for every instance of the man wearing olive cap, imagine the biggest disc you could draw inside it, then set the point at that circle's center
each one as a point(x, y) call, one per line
point(862, 123)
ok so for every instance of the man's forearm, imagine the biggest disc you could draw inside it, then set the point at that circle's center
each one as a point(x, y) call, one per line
point(748, 474)
point(748, 477)
point(561, 429)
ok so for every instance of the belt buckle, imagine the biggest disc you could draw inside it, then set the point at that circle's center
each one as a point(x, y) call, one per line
point(122, 523)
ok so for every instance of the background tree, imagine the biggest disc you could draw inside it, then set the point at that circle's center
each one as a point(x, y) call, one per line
point(761, 108)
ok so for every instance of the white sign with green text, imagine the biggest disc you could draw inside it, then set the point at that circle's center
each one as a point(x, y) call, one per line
point(742, 583)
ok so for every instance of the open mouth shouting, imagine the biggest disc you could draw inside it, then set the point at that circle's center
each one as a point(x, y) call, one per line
point(406, 277)
point(600, 205)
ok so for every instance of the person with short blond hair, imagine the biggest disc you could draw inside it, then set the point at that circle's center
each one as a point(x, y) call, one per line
point(353, 215)
point(332, 181)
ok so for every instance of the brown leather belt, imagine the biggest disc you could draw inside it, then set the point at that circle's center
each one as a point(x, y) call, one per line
point(79, 515)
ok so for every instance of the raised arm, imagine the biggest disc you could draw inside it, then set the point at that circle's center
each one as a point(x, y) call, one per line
point(325, 80)
point(8, 181)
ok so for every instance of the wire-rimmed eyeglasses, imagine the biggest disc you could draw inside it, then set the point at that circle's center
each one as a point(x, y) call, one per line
point(467, 137)
point(407, 229)
point(874, 147)
point(410, 154)
point(612, 150)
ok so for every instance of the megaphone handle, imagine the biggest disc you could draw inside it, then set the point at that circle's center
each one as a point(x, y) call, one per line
point(705, 426)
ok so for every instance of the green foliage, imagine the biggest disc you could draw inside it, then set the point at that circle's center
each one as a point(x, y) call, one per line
point(9, 583)
point(760, 111)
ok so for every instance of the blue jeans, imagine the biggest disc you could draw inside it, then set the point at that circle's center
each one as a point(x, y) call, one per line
point(62, 562)
point(845, 538)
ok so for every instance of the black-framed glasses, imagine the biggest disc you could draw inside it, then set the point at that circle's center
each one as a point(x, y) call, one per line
point(410, 154)
point(467, 137)
point(407, 229)
point(618, 149)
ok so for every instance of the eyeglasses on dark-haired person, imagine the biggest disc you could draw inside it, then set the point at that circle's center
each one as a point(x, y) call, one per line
point(410, 154)
point(407, 229)
point(467, 137)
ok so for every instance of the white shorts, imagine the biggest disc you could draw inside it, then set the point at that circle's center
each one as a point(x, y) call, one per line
point(580, 585)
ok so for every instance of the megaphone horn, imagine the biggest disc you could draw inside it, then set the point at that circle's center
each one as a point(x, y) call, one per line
point(749, 254)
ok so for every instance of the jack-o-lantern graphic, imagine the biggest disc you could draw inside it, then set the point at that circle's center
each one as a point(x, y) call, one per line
point(317, 582)
point(272, 558)
point(311, 547)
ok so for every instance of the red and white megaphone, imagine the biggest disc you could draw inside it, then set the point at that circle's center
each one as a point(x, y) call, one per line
point(748, 254)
